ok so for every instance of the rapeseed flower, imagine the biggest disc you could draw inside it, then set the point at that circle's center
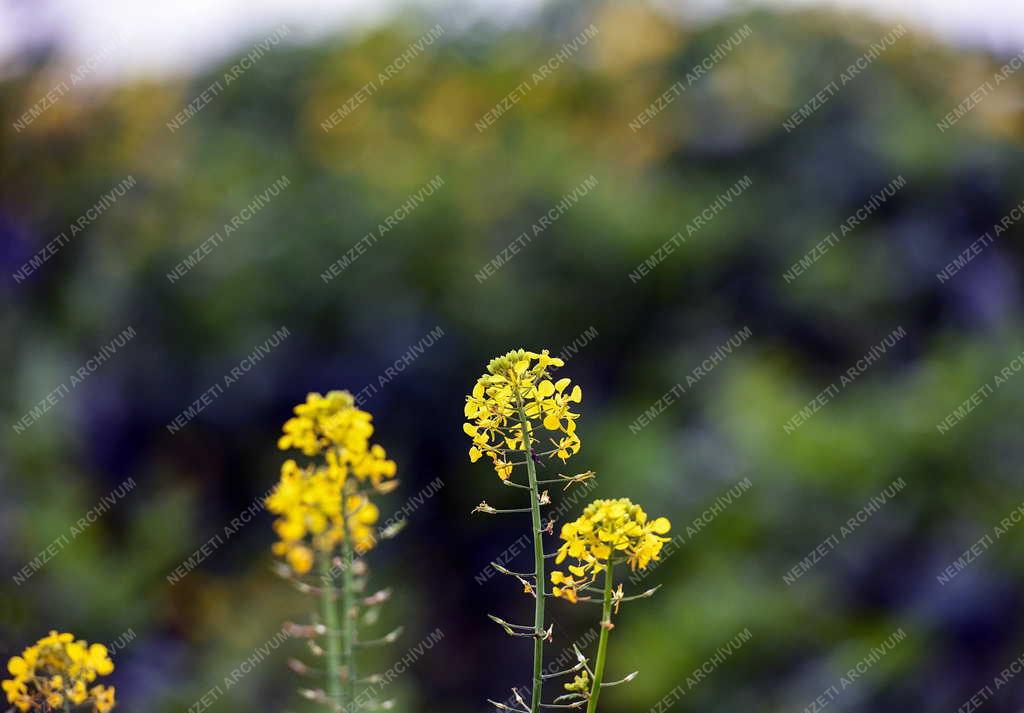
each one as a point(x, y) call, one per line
point(609, 532)
point(308, 499)
point(59, 669)
point(518, 414)
point(516, 401)
point(335, 427)
point(607, 529)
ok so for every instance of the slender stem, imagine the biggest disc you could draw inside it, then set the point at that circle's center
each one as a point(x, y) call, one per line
point(602, 643)
point(347, 606)
point(330, 614)
point(538, 561)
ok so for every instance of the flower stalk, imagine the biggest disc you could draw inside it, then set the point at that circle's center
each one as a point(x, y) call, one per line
point(329, 607)
point(538, 562)
point(348, 613)
point(602, 642)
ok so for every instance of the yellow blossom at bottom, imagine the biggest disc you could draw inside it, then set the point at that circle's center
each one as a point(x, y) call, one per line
point(55, 669)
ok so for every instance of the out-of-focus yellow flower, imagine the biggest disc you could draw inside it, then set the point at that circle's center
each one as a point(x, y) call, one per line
point(607, 530)
point(104, 696)
point(78, 693)
point(334, 426)
point(520, 382)
point(299, 557)
point(57, 668)
point(308, 498)
point(308, 501)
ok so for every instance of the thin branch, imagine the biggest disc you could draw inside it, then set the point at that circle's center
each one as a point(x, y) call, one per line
point(627, 679)
point(389, 638)
point(566, 672)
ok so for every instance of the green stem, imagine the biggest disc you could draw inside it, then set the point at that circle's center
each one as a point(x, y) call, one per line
point(538, 562)
point(602, 643)
point(347, 609)
point(330, 614)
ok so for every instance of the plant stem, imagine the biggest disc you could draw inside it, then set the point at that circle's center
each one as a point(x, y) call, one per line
point(347, 606)
point(538, 561)
point(330, 614)
point(602, 643)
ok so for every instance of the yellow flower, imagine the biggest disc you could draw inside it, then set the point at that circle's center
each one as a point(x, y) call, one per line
point(57, 668)
point(104, 696)
point(334, 426)
point(517, 386)
point(17, 666)
point(300, 559)
point(99, 661)
point(565, 586)
point(606, 532)
point(308, 499)
point(78, 694)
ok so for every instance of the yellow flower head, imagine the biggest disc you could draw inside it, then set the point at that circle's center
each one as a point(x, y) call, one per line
point(334, 426)
point(308, 499)
point(57, 668)
point(606, 531)
point(519, 384)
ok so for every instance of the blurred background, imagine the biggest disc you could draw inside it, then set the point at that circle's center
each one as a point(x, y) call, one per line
point(408, 191)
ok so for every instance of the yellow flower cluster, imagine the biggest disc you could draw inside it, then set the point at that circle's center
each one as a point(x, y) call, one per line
point(56, 670)
point(606, 529)
point(308, 499)
point(334, 426)
point(309, 503)
point(517, 386)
